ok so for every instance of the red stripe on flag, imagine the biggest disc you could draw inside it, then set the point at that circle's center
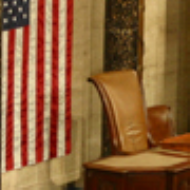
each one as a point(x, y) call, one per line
point(55, 80)
point(40, 81)
point(10, 102)
point(24, 100)
point(68, 74)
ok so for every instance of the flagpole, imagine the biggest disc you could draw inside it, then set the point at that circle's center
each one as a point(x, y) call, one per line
point(0, 80)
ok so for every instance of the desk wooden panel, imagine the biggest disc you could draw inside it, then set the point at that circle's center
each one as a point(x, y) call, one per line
point(106, 174)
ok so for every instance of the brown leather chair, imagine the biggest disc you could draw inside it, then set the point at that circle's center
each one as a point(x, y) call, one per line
point(160, 124)
point(132, 127)
point(130, 123)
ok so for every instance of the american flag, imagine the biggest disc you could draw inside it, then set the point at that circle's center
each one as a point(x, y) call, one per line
point(36, 81)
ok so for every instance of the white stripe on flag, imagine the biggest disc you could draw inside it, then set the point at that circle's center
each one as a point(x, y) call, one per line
point(4, 98)
point(47, 68)
point(62, 67)
point(32, 83)
point(17, 97)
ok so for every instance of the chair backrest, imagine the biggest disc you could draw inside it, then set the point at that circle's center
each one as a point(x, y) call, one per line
point(160, 124)
point(121, 95)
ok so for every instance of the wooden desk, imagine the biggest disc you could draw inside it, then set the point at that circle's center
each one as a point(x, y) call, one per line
point(178, 143)
point(143, 171)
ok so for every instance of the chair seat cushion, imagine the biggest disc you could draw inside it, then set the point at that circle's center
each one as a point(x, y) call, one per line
point(146, 161)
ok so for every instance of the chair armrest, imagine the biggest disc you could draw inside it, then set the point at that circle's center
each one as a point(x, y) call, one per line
point(160, 124)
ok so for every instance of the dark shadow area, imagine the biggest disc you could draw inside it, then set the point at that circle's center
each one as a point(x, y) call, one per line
point(183, 82)
point(177, 65)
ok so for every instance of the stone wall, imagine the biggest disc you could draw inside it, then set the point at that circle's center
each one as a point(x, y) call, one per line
point(166, 60)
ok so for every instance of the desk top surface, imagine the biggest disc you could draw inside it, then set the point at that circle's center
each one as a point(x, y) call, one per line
point(181, 139)
point(179, 143)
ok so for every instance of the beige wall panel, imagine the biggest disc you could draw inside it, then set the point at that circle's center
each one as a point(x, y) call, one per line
point(93, 65)
point(155, 47)
point(166, 58)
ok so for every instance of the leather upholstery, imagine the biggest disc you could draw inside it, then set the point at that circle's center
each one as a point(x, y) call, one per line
point(160, 124)
point(122, 98)
point(121, 95)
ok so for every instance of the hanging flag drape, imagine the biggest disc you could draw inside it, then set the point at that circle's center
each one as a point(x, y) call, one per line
point(36, 81)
